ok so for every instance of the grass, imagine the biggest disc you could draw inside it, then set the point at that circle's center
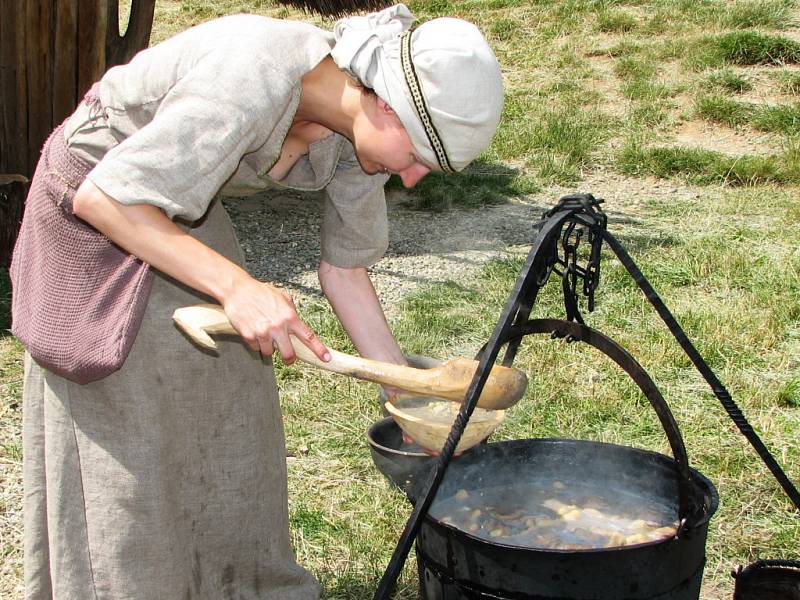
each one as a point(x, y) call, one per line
point(727, 80)
point(789, 82)
point(596, 90)
point(780, 119)
point(739, 14)
point(783, 119)
point(722, 109)
point(789, 394)
point(639, 84)
point(615, 21)
point(768, 14)
point(705, 167)
point(558, 143)
point(747, 47)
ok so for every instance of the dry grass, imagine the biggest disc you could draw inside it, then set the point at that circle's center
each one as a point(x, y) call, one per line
point(10, 467)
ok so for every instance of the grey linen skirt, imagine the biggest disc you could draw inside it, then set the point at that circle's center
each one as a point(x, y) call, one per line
point(165, 480)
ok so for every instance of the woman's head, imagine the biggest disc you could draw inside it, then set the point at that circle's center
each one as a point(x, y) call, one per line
point(441, 79)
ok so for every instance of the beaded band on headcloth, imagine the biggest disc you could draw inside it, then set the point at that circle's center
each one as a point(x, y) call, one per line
point(412, 81)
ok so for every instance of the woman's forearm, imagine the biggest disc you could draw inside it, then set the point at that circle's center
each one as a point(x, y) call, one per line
point(147, 233)
point(263, 315)
point(353, 298)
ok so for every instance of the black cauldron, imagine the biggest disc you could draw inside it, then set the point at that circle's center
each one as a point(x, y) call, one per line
point(454, 564)
point(768, 580)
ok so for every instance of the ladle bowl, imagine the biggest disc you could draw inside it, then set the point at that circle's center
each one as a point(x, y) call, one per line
point(428, 421)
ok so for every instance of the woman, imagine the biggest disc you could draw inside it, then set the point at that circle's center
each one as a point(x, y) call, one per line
point(151, 469)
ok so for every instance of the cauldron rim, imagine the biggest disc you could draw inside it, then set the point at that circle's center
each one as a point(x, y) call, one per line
point(699, 482)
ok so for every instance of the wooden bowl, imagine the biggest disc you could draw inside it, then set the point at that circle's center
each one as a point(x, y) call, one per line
point(428, 421)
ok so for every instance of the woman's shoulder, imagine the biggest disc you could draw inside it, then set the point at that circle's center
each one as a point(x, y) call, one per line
point(269, 45)
point(260, 33)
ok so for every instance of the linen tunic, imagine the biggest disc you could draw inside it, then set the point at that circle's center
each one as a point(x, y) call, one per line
point(167, 479)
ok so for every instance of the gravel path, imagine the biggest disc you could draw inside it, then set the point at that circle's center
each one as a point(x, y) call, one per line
point(280, 234)
point(280, 237)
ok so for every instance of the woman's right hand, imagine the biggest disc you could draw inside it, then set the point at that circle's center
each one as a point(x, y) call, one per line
point(265, 316)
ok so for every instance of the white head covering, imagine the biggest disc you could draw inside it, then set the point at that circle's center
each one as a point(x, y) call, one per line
point(442, 79)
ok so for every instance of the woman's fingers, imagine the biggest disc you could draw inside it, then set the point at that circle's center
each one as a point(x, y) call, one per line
point(266, 318)
point(303, 335)
point(307, 337)
point(265, 345)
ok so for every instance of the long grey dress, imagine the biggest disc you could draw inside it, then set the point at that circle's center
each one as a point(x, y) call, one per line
point(167, 479)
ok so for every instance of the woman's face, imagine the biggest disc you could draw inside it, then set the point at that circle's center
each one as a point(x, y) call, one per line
point(383, 146)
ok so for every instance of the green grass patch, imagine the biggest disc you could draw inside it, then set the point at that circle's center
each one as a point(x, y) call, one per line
point(783, 119)
point(728, 80)
point(647, 90)
point(637, 76)
point(789, 394)
point(202, 10)
point(556, 142)
point(721, 109)
point(658, 22)
point(625, 47)
point(745, 47)
point(12, 451)
point(310, 522)
point(768, 14)
point(504, 29)
point(780, 119)
point(615, 21)
point(431, 8)
point(739, 14)
point(630, 68)
point(789, 82)
point(563, 141)
point(706, 167)
point(647, 115)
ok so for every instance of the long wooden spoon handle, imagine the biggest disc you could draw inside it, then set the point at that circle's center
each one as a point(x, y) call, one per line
point(203, 319)
point(450, 380)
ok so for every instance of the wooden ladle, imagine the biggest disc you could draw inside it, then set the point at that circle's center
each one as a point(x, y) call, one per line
point(450, 380)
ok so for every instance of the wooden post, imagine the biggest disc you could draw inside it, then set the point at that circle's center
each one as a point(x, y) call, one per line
point(51, 52)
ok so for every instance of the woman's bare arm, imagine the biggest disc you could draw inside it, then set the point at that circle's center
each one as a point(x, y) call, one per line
point(355, 302)
point(263, 314)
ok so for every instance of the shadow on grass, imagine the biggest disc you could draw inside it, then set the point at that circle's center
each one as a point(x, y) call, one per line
point(639, 242)
point(480, 184)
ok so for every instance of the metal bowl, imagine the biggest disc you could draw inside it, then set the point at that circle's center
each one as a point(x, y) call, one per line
point(400, 462)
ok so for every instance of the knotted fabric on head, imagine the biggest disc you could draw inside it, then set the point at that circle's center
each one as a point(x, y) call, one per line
point(442, 79)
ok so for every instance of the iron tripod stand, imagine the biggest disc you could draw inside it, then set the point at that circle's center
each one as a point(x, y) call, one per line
point(555, 249)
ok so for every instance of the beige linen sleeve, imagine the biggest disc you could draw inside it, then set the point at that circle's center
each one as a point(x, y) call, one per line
point(355, 228)
point(203, 126)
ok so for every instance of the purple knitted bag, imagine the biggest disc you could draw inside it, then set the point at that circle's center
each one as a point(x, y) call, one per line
point(78, 299)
